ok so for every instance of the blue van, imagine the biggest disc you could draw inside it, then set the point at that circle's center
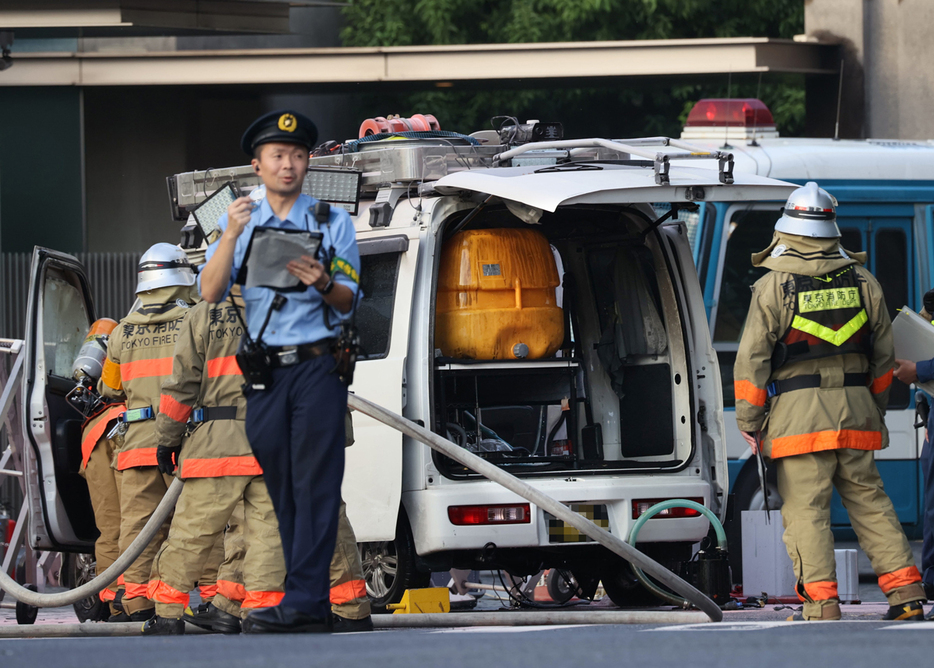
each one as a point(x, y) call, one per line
point(885, 190)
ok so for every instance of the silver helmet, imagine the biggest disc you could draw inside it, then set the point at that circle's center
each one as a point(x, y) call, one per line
point(163, 265)
point(810, 211)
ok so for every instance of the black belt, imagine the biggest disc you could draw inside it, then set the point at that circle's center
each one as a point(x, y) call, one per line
point(200, 415)
point(777, 387)
point(291, 355)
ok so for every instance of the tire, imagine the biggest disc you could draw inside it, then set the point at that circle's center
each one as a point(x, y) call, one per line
point(747, 495)
point(390, 567)
point(625, 590)
point(26, 614)
point(561, 585)
point(77, 569)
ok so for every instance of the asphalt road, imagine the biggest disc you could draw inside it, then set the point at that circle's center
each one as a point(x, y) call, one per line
point(759, 637)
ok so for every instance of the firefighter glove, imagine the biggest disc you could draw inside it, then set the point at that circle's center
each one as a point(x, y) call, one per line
point(167, 458)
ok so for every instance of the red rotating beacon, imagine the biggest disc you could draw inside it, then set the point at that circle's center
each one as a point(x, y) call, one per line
point(390, 124)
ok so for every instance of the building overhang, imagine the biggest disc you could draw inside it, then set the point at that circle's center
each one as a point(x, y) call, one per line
point(441, 65)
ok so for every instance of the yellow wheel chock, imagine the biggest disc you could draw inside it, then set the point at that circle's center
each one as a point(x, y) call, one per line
point(433, 599)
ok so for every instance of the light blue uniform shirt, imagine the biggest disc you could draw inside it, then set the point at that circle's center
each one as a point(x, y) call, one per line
point(301, 319)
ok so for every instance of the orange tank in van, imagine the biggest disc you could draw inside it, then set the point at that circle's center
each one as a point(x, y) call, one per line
point(496, 296)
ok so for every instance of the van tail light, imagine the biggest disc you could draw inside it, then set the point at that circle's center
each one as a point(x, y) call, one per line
point(518, 513)
point(639, 506)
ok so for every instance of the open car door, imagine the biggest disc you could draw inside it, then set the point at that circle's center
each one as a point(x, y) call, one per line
point(372, 484)
point(58, 316)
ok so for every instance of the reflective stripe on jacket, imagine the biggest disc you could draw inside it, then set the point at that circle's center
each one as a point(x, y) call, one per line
point(142, 345)
point(831, 416)
point(205, 374)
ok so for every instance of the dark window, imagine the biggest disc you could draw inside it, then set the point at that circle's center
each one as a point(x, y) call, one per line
point(851, 239)
point(374, 315)
point(892, 266)
point(750, 232)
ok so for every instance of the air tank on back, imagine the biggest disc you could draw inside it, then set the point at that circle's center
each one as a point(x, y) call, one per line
point(90, 359)
point(496, 296)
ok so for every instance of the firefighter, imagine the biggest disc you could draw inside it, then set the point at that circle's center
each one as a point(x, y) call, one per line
point(296, 400)
point(97, 452)
point(221, 477)
point(350, 607)
point(219, 471)
point(141, 350)
point(812, 379)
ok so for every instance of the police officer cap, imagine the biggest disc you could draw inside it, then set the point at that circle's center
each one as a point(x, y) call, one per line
point(284, 126)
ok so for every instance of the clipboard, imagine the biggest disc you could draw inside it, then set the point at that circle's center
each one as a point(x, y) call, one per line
point(914, 340)
point(270, 250)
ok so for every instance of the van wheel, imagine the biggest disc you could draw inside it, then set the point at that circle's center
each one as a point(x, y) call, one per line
point(78, 569)
point(390, 567)
point(25, 613)
point(625, 590)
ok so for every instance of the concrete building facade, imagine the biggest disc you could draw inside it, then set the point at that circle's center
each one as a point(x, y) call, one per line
point(888, 82)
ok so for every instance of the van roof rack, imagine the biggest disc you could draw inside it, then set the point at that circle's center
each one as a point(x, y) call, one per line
point(408, 160)
point(629, 147)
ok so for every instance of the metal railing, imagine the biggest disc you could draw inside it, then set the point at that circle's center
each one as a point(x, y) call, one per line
point(112, 277)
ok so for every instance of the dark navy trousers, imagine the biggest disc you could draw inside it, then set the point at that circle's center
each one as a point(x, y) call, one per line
point(296, 430)
point(927, 470)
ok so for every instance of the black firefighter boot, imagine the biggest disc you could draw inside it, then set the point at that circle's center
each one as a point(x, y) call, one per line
point(211, 618)
point(906, 603)
point(163, 626)
point(905, 612)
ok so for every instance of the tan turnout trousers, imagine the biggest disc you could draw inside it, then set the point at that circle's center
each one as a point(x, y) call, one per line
point(141, 490)
point(207, 583)
point(805, 483)
point(201, 516)
point(104, 489)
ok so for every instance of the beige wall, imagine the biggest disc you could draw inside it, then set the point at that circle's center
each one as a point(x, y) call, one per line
point(889, 46)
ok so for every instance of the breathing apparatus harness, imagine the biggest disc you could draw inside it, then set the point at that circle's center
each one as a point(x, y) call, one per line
point(257, 360)
point(829, 319)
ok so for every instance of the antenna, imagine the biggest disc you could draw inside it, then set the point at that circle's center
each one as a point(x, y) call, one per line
point(729, 93)
point(755, 113)
point(836, 130)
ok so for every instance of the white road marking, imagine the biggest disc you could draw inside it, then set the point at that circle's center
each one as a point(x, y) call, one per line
point(509, 629)
point(910, 626)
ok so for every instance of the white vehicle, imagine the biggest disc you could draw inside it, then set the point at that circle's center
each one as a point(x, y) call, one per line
point(595, 378)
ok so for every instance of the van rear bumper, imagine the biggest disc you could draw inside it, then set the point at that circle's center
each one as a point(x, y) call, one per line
point(433, 531)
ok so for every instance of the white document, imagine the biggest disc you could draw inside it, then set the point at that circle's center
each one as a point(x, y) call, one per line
point(271, 252)
point(914, 340)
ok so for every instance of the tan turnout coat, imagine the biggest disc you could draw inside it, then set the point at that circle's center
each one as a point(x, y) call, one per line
point(813, 419)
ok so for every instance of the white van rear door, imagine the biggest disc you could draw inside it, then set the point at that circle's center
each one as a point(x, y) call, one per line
point(547, 188)
point(59, 313)
point(372, 485)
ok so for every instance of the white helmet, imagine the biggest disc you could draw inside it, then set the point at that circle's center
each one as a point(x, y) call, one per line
point(810, 212)
point(161, 266)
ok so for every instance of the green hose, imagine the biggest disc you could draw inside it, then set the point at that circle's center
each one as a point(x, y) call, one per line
point(649, 514)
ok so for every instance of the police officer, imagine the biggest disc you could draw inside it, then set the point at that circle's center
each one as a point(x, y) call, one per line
point(812, 379)
point(140, 350)
point(910, 372)
point(295, 424)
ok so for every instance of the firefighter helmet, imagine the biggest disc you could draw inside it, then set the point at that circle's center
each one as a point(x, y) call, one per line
point(163, 265)
point(810, 212)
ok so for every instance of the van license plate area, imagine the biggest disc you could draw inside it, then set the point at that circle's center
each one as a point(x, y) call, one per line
point(559, 532)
